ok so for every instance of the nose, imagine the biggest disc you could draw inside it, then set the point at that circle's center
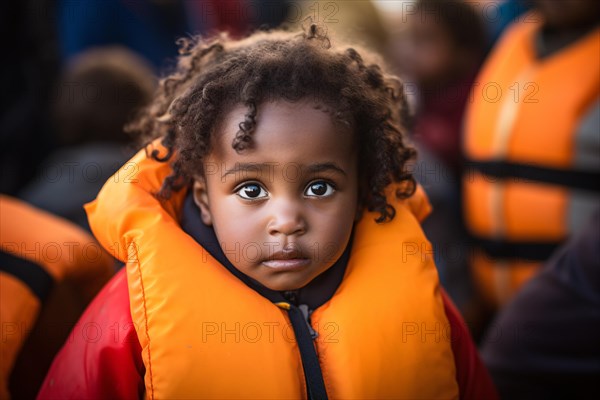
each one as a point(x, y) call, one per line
point(286, 218)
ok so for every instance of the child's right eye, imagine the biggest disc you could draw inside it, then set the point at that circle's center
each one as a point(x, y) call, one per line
point(251, 191)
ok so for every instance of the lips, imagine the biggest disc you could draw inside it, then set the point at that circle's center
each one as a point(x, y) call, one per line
point(287, 260)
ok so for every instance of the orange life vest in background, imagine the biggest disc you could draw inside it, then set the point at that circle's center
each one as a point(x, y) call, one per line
point(531, 143)
point(38, 250)
point(205, 334)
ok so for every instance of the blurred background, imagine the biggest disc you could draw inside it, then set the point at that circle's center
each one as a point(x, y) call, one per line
point(505, 113)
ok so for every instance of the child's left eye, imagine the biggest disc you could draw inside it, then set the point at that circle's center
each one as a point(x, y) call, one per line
point(319, 189)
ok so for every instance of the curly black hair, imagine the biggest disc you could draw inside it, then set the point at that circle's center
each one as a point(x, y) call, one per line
point(215, 74)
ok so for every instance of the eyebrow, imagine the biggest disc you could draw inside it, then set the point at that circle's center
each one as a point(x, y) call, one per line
point(327, 166)
point(245, 167)
point(311, 169)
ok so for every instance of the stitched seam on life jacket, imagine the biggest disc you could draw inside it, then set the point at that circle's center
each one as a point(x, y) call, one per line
point(145, 319)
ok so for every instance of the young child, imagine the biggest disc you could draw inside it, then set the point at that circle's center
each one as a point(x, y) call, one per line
point(270, 253)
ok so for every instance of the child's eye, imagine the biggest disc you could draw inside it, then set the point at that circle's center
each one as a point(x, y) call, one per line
point(251, 191)
point(319, 189)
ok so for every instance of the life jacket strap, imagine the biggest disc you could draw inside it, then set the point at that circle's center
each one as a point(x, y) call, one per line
point(315, 385)
point(502, 249)
point(503, 170)
point(31, 274)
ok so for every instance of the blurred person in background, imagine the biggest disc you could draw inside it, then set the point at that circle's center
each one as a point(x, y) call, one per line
point(532, 144)
point(444, 47)
point(49, 269)
point(440, 51)
point(99, 92)
point(545, 343)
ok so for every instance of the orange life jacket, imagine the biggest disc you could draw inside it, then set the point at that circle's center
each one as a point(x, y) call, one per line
point(532, 149)
point(38, 249)
point(205, 334)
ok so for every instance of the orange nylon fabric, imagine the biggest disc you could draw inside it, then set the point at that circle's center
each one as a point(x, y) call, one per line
point(19, 309)
point(205, 334)
point(62, 249)
point(549, 100)
point(525, 111)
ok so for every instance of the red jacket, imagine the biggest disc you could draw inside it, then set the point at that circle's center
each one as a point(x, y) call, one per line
point(112, 366)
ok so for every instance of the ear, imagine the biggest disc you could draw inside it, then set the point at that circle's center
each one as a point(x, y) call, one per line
point(201, 200)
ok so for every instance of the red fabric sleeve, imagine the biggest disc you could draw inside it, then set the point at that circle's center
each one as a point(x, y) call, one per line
point(102, 357)
point(474, 381)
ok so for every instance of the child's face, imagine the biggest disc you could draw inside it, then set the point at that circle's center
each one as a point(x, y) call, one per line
point(283, 211)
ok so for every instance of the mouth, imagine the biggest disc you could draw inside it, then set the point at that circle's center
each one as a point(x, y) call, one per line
point(287, 260)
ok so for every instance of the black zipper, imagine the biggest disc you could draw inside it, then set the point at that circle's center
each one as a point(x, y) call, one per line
point(315, 385)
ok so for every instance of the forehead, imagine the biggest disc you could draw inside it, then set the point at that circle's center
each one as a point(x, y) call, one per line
point(286, 132)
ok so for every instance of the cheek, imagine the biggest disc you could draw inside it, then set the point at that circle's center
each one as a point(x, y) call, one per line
point(233, 222)
point(331, 228)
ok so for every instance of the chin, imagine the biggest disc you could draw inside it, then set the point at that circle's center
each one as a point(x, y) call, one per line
point(280, 287)
point(286, 284)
